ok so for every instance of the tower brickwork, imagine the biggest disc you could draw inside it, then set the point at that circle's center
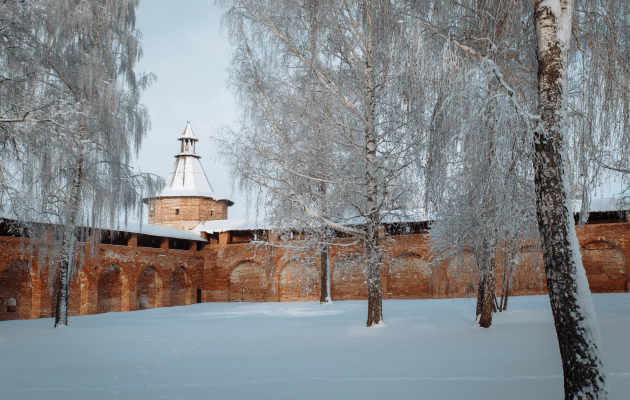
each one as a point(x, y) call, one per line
point(185, 212)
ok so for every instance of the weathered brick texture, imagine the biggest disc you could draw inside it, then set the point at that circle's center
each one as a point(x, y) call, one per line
point(248, 282)
point(179, 288)
point(299, 281)
point(110, 290)
point(407, 272)
point(606, 266)
point(113, 278)
point(409, 268)
point(127, 278)
point(150, 288)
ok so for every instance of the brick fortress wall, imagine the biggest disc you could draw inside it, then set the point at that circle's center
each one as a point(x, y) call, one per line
point(239, 270)
point(229, 268)
point(112, 278)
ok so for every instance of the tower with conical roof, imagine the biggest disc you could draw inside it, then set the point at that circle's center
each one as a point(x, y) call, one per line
point(187, 198)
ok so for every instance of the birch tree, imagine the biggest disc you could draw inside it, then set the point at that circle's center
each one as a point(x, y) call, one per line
point(76, 167)
point(484, 196)
point(330, 114)
point(598, 65)
point(478, 168)
point(571, 303)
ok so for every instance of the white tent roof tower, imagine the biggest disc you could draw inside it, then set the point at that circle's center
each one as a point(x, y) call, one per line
point(187, 178)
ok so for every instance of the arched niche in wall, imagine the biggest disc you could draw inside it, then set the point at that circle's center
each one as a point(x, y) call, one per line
point(248, 282)
point(462, 276)
point(16, 283)
point(349, 279)
point(178, 287)
point(299, 282)
point(409, 278)
point(149, 286)
point(110, 289)
point(605, 266)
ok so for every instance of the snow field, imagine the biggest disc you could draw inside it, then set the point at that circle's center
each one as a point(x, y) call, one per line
point(427, 349)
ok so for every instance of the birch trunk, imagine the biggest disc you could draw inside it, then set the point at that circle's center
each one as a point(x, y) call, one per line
point(508, 285)
point(488, 293)
point(508, 267)
point(508, 288)
point(373, 252)
point(324, 296)
point(67, 249)
point(375, 297)
point(571, 303)
point(480, 293)
point(485, 292)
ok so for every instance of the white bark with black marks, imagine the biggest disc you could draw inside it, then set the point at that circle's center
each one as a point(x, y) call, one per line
point(571, 303)
point(324, 296)
point(67, 249)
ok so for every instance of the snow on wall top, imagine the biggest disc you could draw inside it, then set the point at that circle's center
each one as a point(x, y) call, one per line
point(133, 227)
point(599, 204)
point(153, 230)
point(230, 225)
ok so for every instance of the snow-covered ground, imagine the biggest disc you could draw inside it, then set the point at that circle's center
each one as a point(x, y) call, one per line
point(428, 349)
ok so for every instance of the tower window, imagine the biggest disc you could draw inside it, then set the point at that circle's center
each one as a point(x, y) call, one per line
point(211, 212)
point(177, 211)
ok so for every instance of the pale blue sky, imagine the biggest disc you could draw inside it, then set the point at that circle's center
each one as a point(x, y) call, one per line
point(184, 46)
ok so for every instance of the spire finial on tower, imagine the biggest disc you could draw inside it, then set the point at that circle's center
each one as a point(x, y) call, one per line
point(187, 174)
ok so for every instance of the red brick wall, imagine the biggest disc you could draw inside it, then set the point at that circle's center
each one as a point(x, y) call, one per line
point(110, 290)
point(409, 278)
point(299, 281)
point(349, 276)
point(407, 272)
point(150, 287)
point(110, 278)
point(248, 281)
point(114, 277)
point(605, 264)
point(178, 288)
point(461, 277)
